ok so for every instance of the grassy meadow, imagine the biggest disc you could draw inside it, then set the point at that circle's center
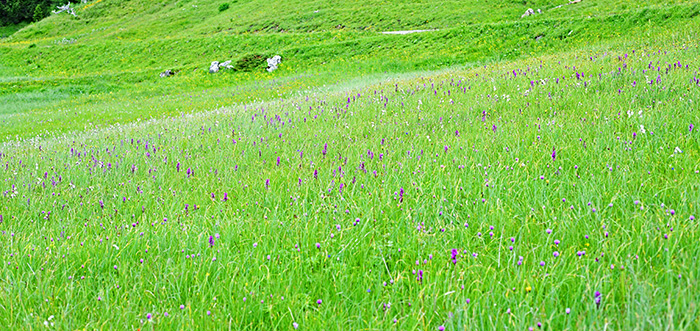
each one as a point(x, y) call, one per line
point(498, 173)
point(102, 67)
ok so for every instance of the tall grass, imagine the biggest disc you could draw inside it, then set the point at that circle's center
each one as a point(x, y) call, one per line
point(103, 68)
point(462, 199)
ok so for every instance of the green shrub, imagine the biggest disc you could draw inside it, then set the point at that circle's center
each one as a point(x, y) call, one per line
point(223, 6)
point(39, 13)
point(251, 62)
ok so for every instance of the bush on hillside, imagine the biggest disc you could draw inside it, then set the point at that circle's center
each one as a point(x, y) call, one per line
point(223, 6)
point(19, 11)
point(39, 13)
point(251, 62)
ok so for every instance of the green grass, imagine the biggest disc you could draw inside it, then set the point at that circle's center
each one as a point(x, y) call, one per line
point(485, 178)
point(238, 200)
point(8, 30)
point(114, 61)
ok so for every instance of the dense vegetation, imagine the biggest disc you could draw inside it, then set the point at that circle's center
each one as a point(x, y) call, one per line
point(20, 11)
point(102, 67)
point(497, 173)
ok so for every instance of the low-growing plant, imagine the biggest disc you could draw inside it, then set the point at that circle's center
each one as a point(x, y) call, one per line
point(251, 62)
point(223, 6)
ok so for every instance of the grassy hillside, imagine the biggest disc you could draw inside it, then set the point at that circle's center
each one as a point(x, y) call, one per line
point(109, 57)
point(143, 20)
point(497, 173)
point(559, 191)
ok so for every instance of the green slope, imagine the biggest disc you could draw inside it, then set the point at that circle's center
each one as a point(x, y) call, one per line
point(498, 173)
point(103, 66)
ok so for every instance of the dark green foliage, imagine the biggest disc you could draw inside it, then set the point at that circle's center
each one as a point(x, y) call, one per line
point(8, 30)
point(251, 62)
point(223, 6)
point(39, 13)
point(19, 11)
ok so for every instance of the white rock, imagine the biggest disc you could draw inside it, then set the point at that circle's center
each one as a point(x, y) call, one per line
point(67, 8)
point(166, 73)
point(528, 12)
point(214, 67)
point(226, 65)
point(273, 63)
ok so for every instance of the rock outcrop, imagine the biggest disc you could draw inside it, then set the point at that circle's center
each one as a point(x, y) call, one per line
point(167, 73)
point(226, 65)
point(273, 63)
point(66, 8)
point(214, 67)
point(528, 12)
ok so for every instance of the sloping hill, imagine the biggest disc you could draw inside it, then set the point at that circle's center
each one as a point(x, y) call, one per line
point(557, 191)
point(143, 19)
point(496, 173)
point(103, 65)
